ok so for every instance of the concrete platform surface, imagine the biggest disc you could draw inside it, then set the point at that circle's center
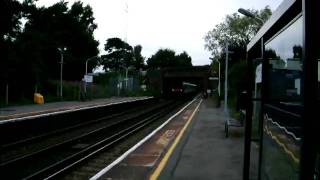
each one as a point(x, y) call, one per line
point(191, 146)
point(141, 162)
point(205, 152)
point(36, 109)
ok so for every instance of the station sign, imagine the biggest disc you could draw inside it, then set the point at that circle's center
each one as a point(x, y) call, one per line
point(213, 78)
point(88, 78)
point(259, 73)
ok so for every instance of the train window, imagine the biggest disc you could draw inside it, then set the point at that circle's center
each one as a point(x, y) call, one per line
point(283, 106)
point(319, 79)
point(317, 168)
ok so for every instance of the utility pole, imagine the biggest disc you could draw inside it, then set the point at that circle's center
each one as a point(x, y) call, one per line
point(226, 81)
point(126, 78)
point(219, 83)
point(61, 70)
point(247, 142)
point(219, 75)
point(61, 74)
point(126, 10)
point(7, 94)
point(86, 72)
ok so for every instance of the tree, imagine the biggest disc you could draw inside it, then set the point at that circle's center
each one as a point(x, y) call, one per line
point(184, 59)
point(168, 58)
point(10, 14)
point(29, 54)
point(162, 58)
point(119, 54)
point(58, 26)
point(297, 51)
point(235, 30)
point(138, 58)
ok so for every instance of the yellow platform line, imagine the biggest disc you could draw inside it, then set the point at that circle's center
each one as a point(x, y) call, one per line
point(165, 159)
point(286, 150)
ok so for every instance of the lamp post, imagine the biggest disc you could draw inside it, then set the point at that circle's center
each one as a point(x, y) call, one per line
point(249, 14)
point(61, 50)
point(86, 72)
point(247, 143)
point(126, 77)
point(219, 84)
point(226, 80)
point(219, 65)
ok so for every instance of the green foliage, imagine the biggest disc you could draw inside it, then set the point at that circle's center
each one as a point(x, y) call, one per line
point(95, 91)
point(71, 90)
point(238, 76)
point(237, 82)
point(10, 14)
point(183, 59)
point(57, 26)
point(168, 58)
point(105, 77)
point(119, 54)
point(236, 30)
point(29, 56)
point(138, 58)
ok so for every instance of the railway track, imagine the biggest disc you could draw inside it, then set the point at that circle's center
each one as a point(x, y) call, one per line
point(21, 147)
point(66, 153)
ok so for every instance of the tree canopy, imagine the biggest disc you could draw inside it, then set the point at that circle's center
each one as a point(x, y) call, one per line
point(10, 13)
point(29, 50)
point(237, 31)
point(138, 58)
point(168, 58)
point(57, 26)
point(121, 55)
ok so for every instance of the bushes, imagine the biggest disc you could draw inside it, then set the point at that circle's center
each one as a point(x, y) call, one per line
point(95, 91)
point(237, 83)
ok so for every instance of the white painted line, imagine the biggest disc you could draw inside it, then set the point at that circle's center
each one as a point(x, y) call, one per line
point(66, 111)
point(283, 128)
point(117, 161)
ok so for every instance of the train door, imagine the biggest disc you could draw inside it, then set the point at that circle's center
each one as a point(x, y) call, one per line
point(283, 106)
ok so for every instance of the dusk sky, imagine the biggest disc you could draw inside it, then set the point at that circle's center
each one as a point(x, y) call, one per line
point(176, 24)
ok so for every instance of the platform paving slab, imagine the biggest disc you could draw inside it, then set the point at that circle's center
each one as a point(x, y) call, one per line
point(203, 152)
point(36, 109)
point(142, 161)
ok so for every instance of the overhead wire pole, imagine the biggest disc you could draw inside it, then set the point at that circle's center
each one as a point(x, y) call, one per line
point(226, 80)
point(126, 39)
point(126, 10)
point(219, 83)
point(219, 75)
point(61, 50)
point(61, 73)
point(86, 72)
point(247, 146)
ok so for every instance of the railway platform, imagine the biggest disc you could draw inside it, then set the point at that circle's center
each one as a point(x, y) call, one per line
point(189, 145)
point(12, 112)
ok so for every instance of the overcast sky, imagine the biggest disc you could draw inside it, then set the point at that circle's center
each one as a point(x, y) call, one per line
point(176, 24)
